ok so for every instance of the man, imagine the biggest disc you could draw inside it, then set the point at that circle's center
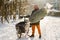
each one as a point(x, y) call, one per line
point(37, 15)
point(37, 24)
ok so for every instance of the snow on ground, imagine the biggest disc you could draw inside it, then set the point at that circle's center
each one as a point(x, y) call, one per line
point(50, 28)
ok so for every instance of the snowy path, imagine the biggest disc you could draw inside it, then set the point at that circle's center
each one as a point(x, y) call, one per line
point(50, 28)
